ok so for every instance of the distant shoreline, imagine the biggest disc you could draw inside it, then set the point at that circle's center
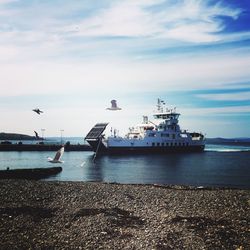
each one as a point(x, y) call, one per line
point(244, 144)
point(16, 137)
point(233, 141)
point(43, 147)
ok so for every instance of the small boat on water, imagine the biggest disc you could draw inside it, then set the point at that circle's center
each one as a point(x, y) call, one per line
point(160, 136)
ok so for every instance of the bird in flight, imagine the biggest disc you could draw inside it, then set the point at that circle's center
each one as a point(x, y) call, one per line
point(113, 106)
point(37, 136)
point(38, 111)
point(57, 157)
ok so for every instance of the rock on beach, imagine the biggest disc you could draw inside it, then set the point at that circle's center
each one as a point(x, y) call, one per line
point(82, 215)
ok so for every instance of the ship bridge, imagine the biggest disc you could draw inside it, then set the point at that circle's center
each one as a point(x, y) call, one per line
point(166, 116)
point(164, 113)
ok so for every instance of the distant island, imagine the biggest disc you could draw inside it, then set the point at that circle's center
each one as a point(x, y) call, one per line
point(229, 141)
point(15, 136)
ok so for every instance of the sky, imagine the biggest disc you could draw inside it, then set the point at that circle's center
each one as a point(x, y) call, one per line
point(71, 58)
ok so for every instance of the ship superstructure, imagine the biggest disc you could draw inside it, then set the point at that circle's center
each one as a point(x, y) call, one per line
point(161, 135)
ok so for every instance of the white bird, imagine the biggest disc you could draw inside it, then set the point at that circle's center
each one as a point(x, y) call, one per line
point(82, 164)
point(58, 156)
point(113, 106)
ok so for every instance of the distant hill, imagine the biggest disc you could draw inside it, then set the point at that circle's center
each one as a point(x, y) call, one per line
point(14, 136)
point(229, 141)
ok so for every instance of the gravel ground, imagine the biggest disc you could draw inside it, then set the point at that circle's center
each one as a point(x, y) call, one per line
point(77, 215)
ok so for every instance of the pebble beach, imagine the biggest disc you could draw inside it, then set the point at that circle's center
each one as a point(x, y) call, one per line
point(89, 215)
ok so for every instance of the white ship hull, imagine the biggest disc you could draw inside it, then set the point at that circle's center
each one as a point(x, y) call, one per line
point(138, 148)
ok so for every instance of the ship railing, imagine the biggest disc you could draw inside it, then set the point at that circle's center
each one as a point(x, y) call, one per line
point(197, 136)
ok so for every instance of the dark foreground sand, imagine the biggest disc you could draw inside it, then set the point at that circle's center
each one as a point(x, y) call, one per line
point(76, 215)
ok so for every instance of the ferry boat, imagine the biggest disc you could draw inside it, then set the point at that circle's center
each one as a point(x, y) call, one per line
point(162, 135)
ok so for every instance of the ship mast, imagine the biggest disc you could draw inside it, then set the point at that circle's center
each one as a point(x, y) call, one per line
point(159, 105)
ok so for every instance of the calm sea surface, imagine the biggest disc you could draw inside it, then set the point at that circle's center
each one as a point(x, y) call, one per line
point(219, 165)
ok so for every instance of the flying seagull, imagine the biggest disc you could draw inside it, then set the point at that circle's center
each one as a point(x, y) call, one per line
point(82, 164)
point(113, 106)
point(37, 136)
point(38, 111)
point(58, 156)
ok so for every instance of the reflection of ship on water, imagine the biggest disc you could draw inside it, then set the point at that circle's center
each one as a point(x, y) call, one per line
point(161, 136)
point(92, 171)
point(145, 168)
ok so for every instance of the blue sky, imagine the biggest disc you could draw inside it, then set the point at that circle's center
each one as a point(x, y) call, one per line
point(70, 58)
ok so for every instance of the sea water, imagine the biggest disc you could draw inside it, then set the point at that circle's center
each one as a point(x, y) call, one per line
point(218, 166)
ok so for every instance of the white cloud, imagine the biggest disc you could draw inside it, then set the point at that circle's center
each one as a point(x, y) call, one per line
point(7, 1)
point(232, 110)
point(212, 122)
point(238, 96)
point(123, 75)
point(125, 18)
point(187, 20)
point(8, 52)
point(191, 21)
point(42, 30)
